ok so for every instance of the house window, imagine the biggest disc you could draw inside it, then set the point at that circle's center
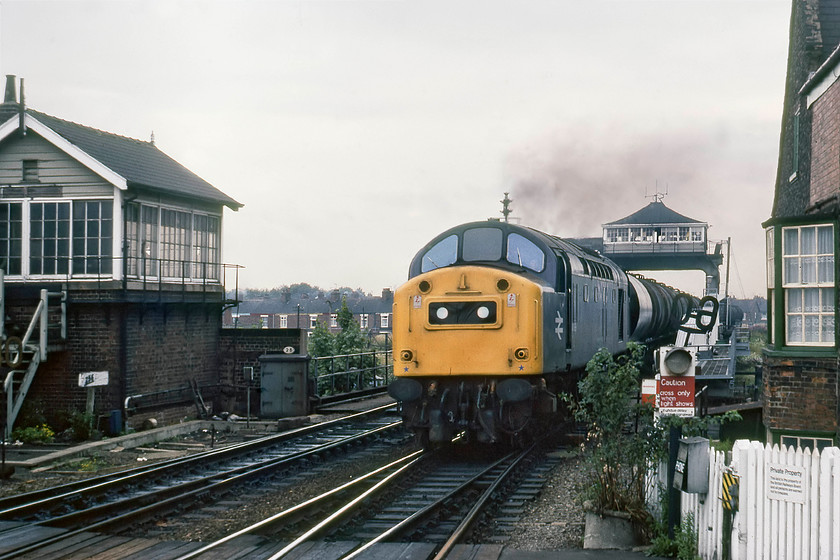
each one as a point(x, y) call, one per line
point(333, 319)
point(93, 234)
point(803, 443)
point(313, 321)
point(697, 235)
point(29, 173)
point(808, 280)
point(363, 320)
point(284, 321)
point(11, 237)
point(49, 238)
point(385, 320)
point(771, 277)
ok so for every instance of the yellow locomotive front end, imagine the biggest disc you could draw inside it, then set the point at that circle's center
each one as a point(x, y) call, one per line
point(468, 356)
point(467, 321)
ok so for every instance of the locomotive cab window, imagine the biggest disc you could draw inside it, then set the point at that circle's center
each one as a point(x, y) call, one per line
point(525, 253)
point(444, 253)
point(483, 244)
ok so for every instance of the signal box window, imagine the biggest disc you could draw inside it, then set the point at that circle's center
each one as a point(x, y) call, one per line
point(30, 171)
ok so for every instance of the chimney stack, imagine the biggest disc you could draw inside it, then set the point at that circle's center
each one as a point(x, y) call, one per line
point(11, 94)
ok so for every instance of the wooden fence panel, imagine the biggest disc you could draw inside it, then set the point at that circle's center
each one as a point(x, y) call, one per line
point(789, 504)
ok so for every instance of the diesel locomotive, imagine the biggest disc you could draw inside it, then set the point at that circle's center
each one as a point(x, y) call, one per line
point(496, 319)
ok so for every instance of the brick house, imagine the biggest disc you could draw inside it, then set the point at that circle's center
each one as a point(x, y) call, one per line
point(128, 241)
point(802, 387)
point(373, 314)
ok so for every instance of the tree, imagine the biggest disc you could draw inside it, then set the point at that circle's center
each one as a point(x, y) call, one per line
point(350, 339)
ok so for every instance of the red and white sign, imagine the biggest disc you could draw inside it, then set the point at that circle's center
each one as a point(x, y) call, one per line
point(649, 391)
point(676, 395)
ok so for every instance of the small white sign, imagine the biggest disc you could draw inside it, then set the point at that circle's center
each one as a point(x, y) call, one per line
point(788, 483)
point(418, 302)
point(93, 379)
point(511, 300)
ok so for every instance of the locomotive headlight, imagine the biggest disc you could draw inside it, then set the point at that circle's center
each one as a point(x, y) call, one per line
point(406, 355)
point(442, 313)
point(483, 312)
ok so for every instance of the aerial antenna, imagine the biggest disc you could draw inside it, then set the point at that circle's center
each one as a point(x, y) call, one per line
point(506, 207)
point(657, 196)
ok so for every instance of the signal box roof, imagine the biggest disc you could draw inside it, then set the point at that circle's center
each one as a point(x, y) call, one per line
point(654, 213)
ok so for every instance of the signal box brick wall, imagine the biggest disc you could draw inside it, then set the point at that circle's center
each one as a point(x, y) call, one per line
point(239, 348)
point(154, 349)
point(801, 393)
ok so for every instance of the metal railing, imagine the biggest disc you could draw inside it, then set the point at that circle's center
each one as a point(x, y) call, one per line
point(351, 373)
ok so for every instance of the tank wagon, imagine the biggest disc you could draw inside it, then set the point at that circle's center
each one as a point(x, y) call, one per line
point(496, 319)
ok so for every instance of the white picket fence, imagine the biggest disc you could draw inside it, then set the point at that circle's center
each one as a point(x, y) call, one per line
point(789, 504)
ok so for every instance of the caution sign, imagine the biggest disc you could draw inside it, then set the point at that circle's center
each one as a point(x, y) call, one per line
point(729, 493)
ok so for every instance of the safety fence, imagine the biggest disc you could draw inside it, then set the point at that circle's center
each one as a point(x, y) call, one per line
point(782, 503)
point(350, 373)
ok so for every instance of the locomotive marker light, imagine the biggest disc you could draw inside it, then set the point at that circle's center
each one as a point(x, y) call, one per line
point(675, 387)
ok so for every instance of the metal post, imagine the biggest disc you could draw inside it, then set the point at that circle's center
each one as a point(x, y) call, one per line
point(45, 313)
point(2, 305)
point(673, 493)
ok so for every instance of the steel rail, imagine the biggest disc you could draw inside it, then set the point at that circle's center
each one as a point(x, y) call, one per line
point(148, 509)
point(22, 503)
point(344, 510)
point(426, 510)
point(465, 524)
point(301, 507)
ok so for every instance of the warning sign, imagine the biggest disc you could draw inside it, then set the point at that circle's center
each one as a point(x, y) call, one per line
point(676, 395)
point(788, 483)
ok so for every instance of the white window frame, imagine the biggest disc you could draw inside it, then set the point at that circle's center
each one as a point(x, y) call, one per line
point(385, 320)
point(808, 277)
point(284, 321)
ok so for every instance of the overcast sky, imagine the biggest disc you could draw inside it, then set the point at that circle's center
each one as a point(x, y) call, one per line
point(355, 131)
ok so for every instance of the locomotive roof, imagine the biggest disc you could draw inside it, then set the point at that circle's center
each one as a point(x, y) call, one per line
point(549, 244)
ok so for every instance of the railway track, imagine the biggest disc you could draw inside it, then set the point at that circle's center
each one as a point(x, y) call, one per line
point(120, 501)
point(422, 497)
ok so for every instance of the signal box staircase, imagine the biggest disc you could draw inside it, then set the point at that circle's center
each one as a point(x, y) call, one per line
point(21, 355)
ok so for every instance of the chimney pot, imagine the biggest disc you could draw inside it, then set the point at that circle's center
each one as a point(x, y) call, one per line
point(11, 94)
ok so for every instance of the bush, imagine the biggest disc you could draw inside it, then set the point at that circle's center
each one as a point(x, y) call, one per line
point(34, 434)
point(82, 425)
point(618, 462)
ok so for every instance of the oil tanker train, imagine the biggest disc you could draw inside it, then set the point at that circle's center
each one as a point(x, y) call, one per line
point(496, 319)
